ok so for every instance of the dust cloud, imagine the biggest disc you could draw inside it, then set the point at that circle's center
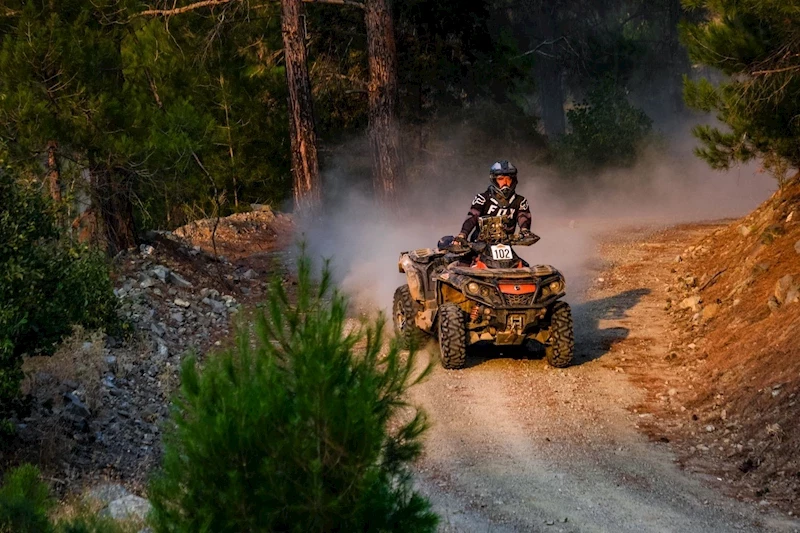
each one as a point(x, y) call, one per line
point(363, 240)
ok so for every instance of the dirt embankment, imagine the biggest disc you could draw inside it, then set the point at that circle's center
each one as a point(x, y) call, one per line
point(734, 356)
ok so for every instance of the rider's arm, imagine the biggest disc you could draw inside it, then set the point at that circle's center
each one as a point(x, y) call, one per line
point(524, 216)
point(475, 211)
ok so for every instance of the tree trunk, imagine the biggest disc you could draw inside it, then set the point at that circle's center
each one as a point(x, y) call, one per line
point(302, 132)
point(53, 177)
point(548, 72)
point(551, 96)
point(388, 171)
point(112, 198)
point(678, 59)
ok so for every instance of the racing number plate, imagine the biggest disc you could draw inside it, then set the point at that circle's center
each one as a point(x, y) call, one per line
point(501, 251)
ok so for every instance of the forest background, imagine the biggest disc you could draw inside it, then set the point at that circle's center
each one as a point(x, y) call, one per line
point(153, 115)
point(133, 116)
point(122, 116)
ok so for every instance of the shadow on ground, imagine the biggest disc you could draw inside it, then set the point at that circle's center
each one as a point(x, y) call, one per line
point(592, 341)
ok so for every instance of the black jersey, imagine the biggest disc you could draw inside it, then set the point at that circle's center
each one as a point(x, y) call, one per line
point(515, 208)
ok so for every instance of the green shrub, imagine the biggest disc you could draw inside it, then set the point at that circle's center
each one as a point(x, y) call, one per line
point(47, 284)
point(87, 522)
point(299, 427)
point(606, 131)
point(24, 502)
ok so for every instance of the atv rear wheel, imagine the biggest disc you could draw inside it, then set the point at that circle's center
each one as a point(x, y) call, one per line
point(404, 313)
point(561, 346)
point(452, 336)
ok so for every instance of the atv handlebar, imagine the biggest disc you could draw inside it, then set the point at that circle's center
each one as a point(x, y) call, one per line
point(515, 240)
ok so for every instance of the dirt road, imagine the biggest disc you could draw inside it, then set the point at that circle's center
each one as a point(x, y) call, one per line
point(518, 446)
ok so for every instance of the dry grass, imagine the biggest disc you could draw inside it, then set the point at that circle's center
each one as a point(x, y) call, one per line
point(80, 359)
point(77, 507)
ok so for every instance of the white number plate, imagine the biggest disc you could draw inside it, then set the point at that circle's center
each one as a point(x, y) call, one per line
point(501, 251)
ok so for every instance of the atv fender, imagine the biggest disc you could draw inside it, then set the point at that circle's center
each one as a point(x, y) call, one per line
point(413, 276)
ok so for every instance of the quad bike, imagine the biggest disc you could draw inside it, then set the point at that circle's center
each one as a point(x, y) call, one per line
point(482, 291)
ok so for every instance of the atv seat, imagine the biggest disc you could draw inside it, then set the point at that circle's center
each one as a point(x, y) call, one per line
point(507, 273)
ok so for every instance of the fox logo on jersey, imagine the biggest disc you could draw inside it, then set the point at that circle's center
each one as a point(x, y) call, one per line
point(516, 209)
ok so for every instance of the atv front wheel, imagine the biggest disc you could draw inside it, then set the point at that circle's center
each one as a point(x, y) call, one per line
point(561, 346)
point(404, 312)
point(452, 336)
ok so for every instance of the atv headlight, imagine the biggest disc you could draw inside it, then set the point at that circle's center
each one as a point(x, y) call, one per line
point(556, 286)
point(473, 288)
point(545, 292)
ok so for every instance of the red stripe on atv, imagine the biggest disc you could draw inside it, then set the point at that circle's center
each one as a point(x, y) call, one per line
point(517, 289)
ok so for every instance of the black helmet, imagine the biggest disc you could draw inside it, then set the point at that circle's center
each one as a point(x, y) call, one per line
point(503, 168)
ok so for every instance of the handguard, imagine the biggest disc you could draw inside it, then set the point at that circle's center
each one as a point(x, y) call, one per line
point(525, 240)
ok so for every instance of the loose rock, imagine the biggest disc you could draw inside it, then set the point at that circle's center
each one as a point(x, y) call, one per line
point(693, 303)
point(75, 407)
point(710, 311)
point(786, 285)
point(161, 272)
point(129, 507)
point(179, 281)
point(215, 305)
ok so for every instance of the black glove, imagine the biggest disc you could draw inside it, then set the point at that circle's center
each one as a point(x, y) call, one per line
point(526, 234)
point(461, 240)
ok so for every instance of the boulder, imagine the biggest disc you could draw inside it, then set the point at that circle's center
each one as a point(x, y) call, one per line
point(129, 507)
point(106, 493)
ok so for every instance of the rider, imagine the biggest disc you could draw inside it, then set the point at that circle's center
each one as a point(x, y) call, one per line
point(498, 200)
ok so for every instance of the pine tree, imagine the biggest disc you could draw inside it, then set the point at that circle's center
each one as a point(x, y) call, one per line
point(301, 426)
point(170, 119)
point(756, 44)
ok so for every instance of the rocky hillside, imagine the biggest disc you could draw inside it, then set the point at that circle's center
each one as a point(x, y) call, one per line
point(97, 406)
point(738, 308)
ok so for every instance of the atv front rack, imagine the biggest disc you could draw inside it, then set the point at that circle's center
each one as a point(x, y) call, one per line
point(505, 273)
